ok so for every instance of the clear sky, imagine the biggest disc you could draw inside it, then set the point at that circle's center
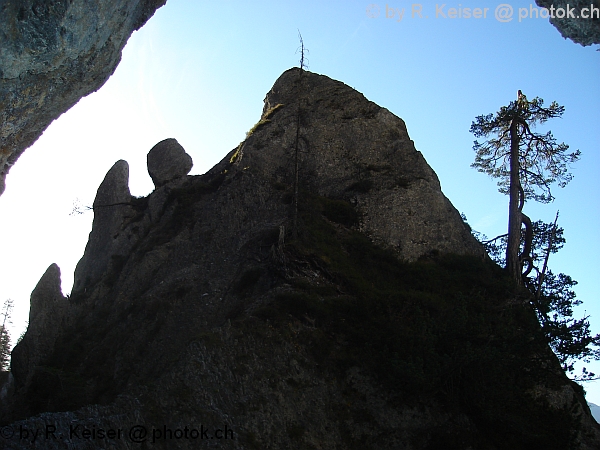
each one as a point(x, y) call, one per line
point(199, 71)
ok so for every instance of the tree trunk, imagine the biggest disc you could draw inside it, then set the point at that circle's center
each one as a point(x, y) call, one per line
point(538, 291)
point(296, 178)
point(514, 214)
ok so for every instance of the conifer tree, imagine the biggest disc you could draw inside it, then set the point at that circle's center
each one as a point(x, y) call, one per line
point(299, 112)
point(527, 164)
point(4, 335)
point(553, 298)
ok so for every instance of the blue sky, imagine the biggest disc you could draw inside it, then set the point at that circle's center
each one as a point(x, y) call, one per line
point(199, 72)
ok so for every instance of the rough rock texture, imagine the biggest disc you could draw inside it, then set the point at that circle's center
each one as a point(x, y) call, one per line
point(112, 206)
point(51, 55)
point(168, 161)
point(354, 149)
point(584, 31)
point(46, 318)
point(211, 315)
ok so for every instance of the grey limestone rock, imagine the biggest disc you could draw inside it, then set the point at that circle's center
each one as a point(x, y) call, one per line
point(156, 202)
point(114, 189)
point(355, 150)
point(112, 206)
point(46, 315)
point(51, 55)
point(168, 161)
point(581, 30)
point(211, 318)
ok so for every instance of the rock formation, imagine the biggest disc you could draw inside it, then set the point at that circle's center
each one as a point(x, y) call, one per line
point(377, 323)
point(354, 149)
point(581, 30)
point(112, 206)
point(168, 161)
point(51, 55)
point(46, 318)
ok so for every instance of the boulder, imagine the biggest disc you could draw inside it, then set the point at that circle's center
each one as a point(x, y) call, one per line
point(168, 161)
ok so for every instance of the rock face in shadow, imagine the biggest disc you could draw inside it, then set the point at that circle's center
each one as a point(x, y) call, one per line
point(167, 162)
point(581, 30)
point(353, 149)
point(112, 206)
point(47, 315)
point(51, 55)
point(370, 318)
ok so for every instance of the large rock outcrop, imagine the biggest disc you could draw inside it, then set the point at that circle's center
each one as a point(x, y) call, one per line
point(51, 55)
point(581, 27)
point(112, 206)
point(47, 314)
point(326, 298)
point(353, 149)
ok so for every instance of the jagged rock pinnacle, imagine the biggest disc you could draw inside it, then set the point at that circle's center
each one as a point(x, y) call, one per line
point(47, 311)
point(111, 206)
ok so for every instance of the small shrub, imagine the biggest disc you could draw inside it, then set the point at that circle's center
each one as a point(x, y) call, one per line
point(234, 157)
point(264, 120)
point(272, 110)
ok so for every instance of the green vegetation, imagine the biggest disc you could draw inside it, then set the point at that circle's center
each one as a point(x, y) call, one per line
point(263, 120)
point(234, 157)
point(553, 298)
point(4, 349)
point(4, 335)
point(526, 163)
point(272, 109)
